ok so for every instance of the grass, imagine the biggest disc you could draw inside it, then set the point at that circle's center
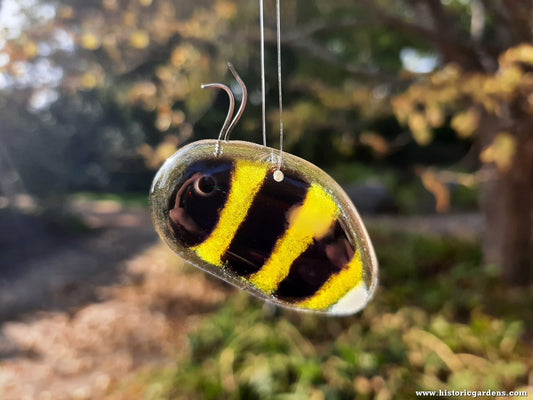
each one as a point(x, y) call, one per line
point(438, 321)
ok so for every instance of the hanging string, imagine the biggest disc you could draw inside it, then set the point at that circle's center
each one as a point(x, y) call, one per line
point(263, 90)
point(280, 89)
point(278, 175)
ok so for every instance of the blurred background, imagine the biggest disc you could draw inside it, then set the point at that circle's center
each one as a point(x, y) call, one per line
point(422, 110)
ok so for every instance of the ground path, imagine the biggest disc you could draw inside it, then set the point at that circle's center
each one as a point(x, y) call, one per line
point(95, 309)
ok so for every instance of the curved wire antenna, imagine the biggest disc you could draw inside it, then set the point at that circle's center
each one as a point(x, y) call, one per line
point(278, 175)
point(230, 111)
point(244, 100)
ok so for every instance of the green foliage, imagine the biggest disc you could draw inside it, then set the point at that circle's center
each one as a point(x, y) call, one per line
point(405, 187)
point(465, 197)
point(432, 272)
point(345, 173)
point(425, 330)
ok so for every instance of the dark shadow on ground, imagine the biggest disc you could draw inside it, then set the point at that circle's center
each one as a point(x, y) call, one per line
point(50, 270)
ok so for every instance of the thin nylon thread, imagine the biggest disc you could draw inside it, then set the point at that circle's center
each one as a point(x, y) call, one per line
point(263, 89)
point(280, 89)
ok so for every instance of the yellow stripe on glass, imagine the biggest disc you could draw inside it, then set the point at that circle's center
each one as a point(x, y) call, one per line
point(312, 220)
point(337, 286)
point(247, 180)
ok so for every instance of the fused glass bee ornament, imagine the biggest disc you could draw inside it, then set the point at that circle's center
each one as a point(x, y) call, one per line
point(285, 233)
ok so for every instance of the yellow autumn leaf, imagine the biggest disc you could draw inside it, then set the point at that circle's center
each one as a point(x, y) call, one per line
point(401, 107)
point(184, 55)
point(334, 99)
point(30, 49)
point(420, 129)
point(178, 117)
point(466, 123)
point(142, 89)
point(434, 185)
point(519, 54)
point(164, 118)
point(178, 56)
point(525, 52)
point(452, 71)
point(143, 93)
point(508, 80)
point(110, 4)
point(65, 12)
point(491, 105)
point(226, 9)
point(165, 149)
point(129, 19)
point(434, 116)
point(501, 151)
point(88, 81)
point(139, 39)
point(155, 157)
point(378, 144)
point(90, 41)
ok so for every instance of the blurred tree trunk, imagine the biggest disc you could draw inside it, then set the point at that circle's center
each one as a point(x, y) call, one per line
point(507, 198)
point(507, 202)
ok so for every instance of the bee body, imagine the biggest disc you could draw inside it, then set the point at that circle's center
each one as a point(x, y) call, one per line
point(296, 241)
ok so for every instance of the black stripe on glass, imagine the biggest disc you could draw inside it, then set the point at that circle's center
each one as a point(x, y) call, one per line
point(324, 258)
point(265, 223)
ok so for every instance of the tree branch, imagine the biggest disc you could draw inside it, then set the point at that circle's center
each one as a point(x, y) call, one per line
point(503, 19)
point(520, 13)
point(300, 41)
point(402, 25)
point(477, 21)
point(477, 29)
point(323, 54)
point(321, 26)
point(454, 49)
